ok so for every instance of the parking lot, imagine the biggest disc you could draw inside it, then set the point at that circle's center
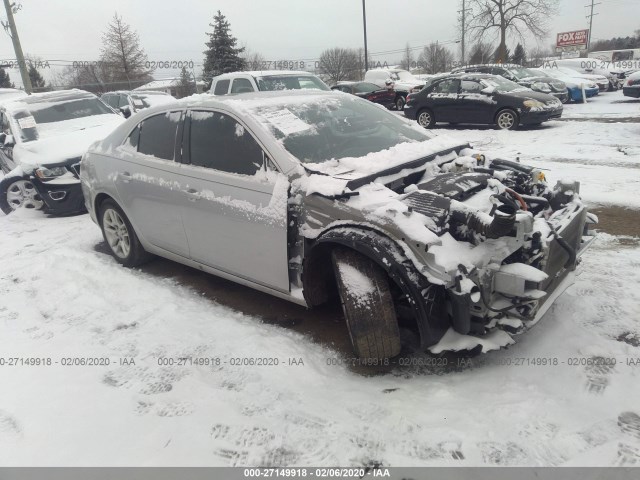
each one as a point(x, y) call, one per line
point(564, 394)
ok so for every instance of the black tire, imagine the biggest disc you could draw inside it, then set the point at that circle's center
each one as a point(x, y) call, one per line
point(370, 315)
point(507, 119)
point(425, 118)
point(566, 100)
point(400, 103)
point(135, 255)
point(7, 184)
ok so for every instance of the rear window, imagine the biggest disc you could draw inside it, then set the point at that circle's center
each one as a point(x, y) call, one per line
point(222, 87)
point(290, 82)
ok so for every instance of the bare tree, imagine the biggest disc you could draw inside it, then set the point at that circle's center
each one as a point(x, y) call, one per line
point(407, 59)
point(122, 54)
point(480, 52)
point(503, 17)
point(91, 76)
point(435, 58)
point(253, 60)
point(339, 64)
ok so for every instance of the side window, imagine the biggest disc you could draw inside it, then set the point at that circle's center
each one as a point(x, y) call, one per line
point(447, 86)
point(133, 138)
point(469, 86)
point(219, 142)
point(158, 135)
point(123, 101)
point(241, 85)
point(222, 87)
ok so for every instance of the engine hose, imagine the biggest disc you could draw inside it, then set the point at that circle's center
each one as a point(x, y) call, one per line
point(517, 196)
point(568, 248)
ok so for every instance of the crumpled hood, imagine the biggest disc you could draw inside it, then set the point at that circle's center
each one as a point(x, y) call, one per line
point(65, 140)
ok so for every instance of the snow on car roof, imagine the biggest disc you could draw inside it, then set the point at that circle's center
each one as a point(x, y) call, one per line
point(41, 99)
point(265, 73)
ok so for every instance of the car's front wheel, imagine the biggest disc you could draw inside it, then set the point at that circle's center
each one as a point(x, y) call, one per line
point(16, 192)
point(367, 304)
point(507, 120)
point(426, 118)
point(120, 236)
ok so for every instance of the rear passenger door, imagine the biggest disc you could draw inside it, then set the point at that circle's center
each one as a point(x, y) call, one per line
point(474, 106)
point(147, 180)
point(236, 217)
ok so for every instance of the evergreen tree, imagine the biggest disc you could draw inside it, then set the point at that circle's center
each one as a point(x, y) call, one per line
point(497, 55)
point(186, 85)
point(37, 82)
point(519, 55)
point(222, 55)
point(5, 81)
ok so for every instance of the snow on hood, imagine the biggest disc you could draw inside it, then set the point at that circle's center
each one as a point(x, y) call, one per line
point(355, 167)
point(62, 141)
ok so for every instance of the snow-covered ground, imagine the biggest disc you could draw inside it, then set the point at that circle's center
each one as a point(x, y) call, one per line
point(553, 398)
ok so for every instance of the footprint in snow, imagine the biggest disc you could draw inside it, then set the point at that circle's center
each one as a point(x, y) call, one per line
point(598, 373)
point(628, 455)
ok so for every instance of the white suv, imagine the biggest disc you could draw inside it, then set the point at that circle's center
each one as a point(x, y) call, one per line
point(263, 81)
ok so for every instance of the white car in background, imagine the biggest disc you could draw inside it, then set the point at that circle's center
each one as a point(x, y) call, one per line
point(43, 138)
point(600, 80)
point(402, 81)
point(130, 102)
point(265, 81)
point(577, 87)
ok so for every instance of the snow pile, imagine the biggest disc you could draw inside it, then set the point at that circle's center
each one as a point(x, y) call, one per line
point(358, 285)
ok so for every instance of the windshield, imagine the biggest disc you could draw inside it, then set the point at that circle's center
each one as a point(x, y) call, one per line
point(501, 84)
point(324, 129)
point(48, 113)
point(290, 82)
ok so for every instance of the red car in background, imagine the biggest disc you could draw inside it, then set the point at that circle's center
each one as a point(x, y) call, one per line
point(369, 91)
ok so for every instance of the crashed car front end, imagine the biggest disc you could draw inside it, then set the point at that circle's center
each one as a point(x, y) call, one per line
point(492, 235)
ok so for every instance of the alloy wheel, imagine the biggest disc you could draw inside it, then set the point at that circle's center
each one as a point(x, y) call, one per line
point(424, 119)
point(506, 120)
point(116, 233)
point(22, 193)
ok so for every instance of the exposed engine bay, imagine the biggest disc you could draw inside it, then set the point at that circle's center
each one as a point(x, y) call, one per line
point(492, 233)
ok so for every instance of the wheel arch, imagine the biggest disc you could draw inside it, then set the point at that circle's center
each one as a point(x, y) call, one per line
point(318, 278)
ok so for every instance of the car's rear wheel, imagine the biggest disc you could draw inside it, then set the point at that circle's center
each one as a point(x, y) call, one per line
point(367, 304)
point(400, 102)
point(507, 120)
point(120, 236)
point(425, 118)
point(19, 192)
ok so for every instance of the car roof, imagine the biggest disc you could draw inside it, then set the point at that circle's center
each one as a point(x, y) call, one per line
point(135, 92)
point(502, 65)
point(264, 73)
point(48, 97)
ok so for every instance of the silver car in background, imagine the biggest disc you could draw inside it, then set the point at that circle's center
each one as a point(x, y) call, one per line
point(309, 195)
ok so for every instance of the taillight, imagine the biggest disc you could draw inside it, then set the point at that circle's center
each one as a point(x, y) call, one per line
point(409, 97)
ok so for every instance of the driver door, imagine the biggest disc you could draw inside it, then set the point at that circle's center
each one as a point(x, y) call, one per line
point(236, 210)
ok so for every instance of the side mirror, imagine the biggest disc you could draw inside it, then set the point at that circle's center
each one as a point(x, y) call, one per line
point(126, 111)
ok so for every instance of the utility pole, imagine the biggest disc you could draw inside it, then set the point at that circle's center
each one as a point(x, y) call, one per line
point(464, 29)
point(364, 22)
point(591, 22)
point(11, 25)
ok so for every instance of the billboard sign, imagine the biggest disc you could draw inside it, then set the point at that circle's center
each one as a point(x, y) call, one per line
point(578, 38)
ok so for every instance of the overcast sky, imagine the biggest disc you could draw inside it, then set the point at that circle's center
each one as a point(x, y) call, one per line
point(278, 29)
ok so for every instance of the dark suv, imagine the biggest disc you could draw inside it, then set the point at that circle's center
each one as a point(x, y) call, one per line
point(522, 76)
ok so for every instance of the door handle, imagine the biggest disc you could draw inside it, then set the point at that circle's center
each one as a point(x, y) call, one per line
point(126, 177)
point(192, 194)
